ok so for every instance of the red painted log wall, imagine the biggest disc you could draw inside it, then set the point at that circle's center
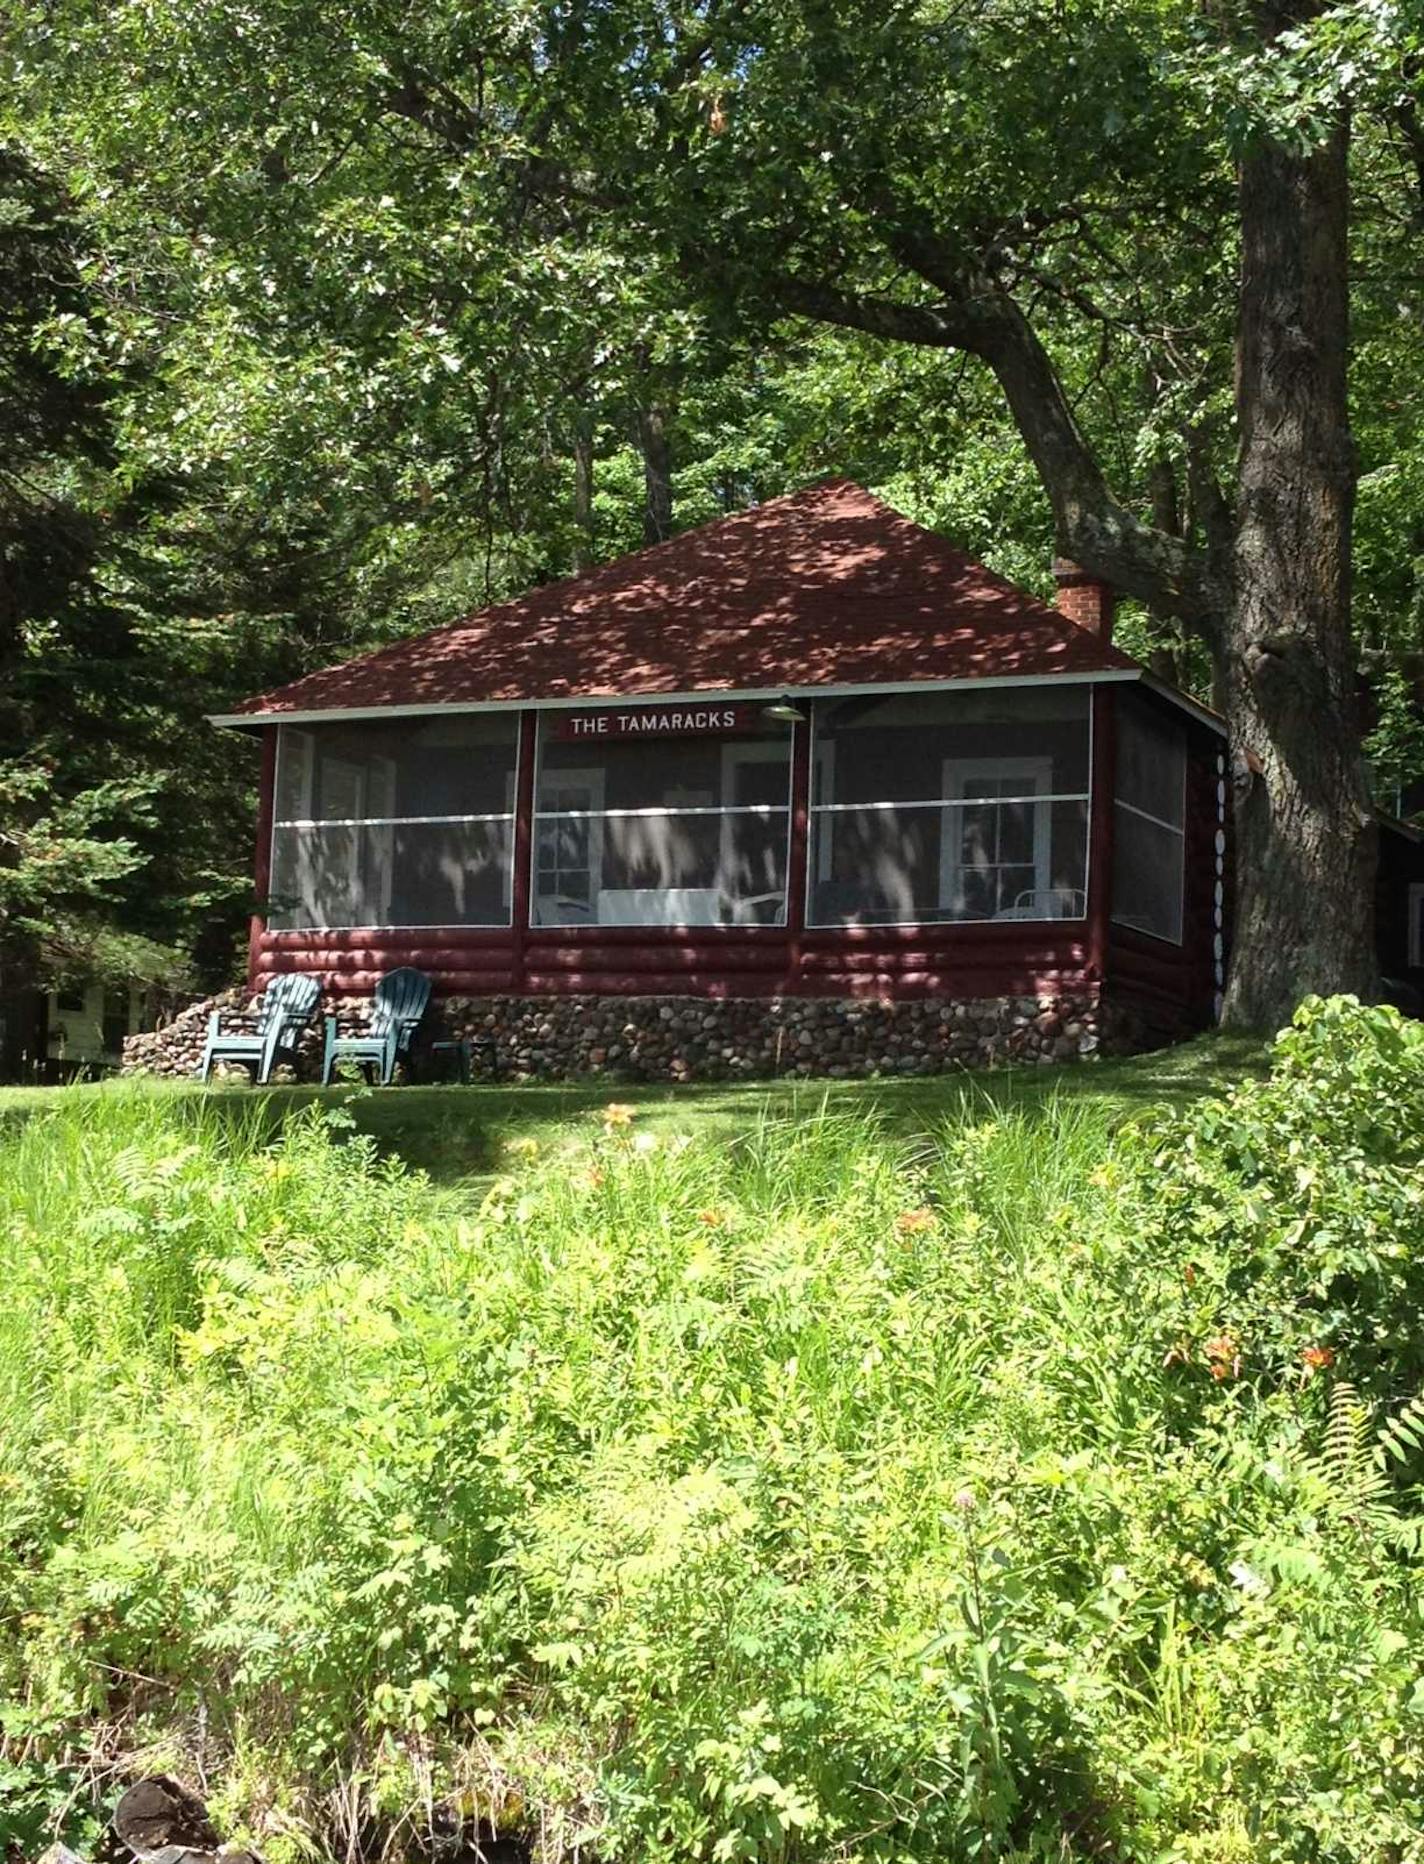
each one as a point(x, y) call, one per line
point(959, 961)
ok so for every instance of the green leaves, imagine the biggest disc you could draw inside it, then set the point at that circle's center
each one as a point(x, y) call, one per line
point(1298, 1202)
point(718, 1500)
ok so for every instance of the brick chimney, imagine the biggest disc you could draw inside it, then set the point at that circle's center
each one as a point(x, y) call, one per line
point(1083, 598)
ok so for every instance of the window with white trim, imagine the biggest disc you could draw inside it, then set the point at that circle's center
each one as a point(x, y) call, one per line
point(568, 847)
point(691, 831)
point(387, 823)
point(995, 848)
point(1416, 924)
point(946, 807)
point(1149, 820)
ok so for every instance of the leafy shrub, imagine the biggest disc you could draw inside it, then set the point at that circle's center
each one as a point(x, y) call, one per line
point(1299, 1201)
point(819, 1496)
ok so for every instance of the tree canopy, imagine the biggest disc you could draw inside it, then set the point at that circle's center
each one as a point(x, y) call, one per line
point(383, 315)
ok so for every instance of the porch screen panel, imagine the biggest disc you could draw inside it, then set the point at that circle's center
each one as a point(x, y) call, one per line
point(1149, 820)
point(681, 832)
point(950, 807)
point(399, 823)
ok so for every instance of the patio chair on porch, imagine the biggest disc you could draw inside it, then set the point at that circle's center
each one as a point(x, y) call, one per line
point(284, 1012)
point(400, 1002)
point(1045, 903)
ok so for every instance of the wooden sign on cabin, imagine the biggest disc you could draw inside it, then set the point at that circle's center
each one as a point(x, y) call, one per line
point(671, 721)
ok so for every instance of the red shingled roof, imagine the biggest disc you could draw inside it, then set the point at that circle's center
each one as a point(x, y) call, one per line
point(828, 587)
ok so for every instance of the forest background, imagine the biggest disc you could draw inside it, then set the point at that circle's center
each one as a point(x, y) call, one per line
point(321, 326)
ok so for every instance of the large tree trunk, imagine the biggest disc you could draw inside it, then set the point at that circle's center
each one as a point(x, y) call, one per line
point(1305, 841)
point(1268, 590)
point(657, 473)
point(583, 494)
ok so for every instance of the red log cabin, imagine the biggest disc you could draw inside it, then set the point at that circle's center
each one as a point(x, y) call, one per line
point(805, 750)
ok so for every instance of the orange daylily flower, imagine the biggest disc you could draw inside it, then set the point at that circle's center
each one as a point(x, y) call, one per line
point(1223, 1357)
point(911, 1222)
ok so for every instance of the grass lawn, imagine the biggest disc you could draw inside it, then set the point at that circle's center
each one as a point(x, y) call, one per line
point(457, 1133)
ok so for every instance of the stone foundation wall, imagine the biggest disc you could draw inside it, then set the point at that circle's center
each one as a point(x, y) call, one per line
point(694, 1038)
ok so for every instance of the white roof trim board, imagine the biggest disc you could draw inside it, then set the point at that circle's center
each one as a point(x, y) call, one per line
point(332, 715)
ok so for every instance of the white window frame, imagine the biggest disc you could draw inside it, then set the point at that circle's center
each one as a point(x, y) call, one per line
point(756, 751)
point(1037, 780)
point(308, 737)
point(822, 787)
point(587, 777)
point(511, 790)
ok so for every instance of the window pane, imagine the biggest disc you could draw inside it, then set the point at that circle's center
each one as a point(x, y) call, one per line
point(894, 749)
point(712, 852)
point(368, 863)
point(1147, 875)
point(1148, 856)
point(956, 833)
point(1151, 761)
point(403, 874)
point(463, 765)
point(985, 860)
point(672, 869)
point(293, 799)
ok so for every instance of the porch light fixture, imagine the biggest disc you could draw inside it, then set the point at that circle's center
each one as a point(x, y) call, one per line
point(785, 711)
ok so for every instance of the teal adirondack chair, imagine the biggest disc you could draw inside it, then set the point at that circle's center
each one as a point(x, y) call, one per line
point(286, 1008)
point(401, 999)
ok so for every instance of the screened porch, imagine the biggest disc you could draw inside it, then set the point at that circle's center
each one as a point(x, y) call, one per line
point(881, 809)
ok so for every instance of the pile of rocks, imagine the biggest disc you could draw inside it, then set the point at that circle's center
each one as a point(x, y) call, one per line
point(160, 1821)
point(176, 1046)
point(695, 1038)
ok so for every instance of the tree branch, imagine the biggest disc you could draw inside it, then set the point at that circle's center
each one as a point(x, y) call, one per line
point(1407, 118)
point(976, 315)
point(931, 326)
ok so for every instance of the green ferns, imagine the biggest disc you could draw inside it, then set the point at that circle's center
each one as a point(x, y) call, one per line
point(1041, 1492)
point(1355, 1470)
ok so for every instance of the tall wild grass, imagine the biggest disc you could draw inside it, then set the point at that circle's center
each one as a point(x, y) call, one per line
point(1040, 1490)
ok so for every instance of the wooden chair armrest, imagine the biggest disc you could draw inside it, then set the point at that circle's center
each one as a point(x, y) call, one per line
point(232, 1022)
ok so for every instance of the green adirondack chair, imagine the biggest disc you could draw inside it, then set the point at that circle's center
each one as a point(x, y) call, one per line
point(401, 999)
point(286, 1008)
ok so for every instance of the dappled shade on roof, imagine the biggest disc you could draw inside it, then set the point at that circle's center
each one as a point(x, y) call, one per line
point(826, 587)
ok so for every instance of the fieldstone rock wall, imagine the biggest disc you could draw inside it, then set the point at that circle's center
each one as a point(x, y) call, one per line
point(693, 1038)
